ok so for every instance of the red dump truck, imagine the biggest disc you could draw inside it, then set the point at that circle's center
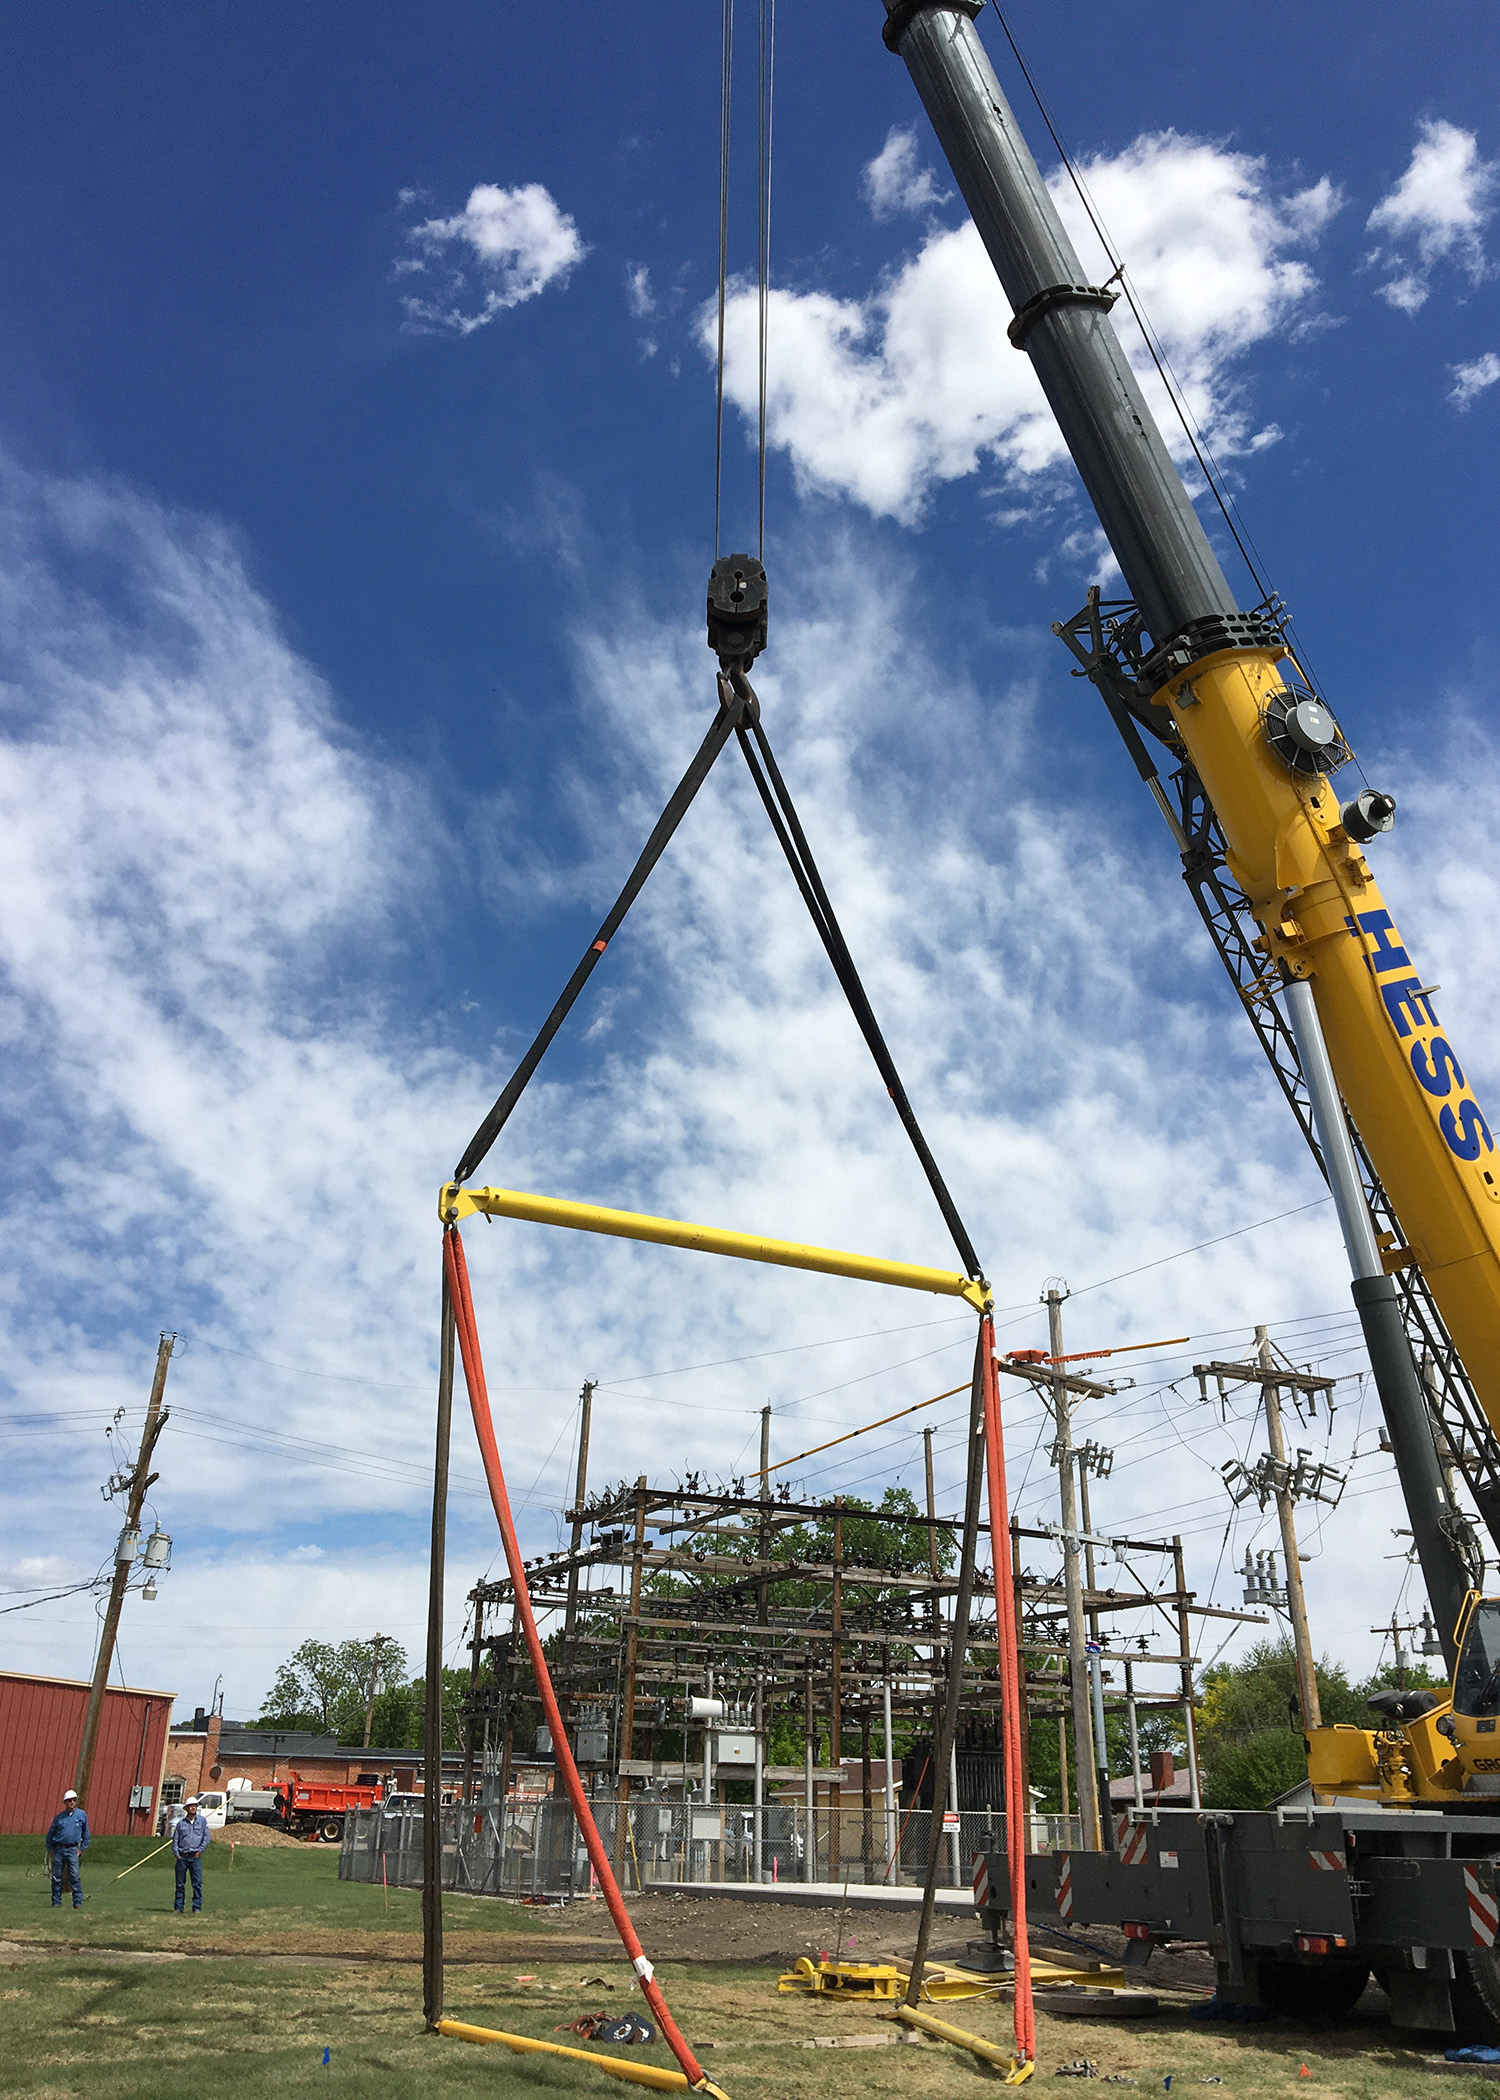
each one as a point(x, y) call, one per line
point(311, 1809)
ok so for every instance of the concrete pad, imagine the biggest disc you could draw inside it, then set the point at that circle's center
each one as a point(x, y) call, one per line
point(823, 1895)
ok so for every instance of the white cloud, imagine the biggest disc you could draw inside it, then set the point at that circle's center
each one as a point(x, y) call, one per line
point(895, 180)
point(638, 293)
point(505, 245)
point(1436, 213)
point(1472, 379)
point(230, 1122)
point(884, 398)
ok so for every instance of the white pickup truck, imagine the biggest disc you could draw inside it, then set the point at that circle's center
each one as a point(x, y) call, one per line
point(214, 1809)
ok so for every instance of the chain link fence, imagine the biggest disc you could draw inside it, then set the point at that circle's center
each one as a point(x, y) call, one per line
point(535, 1849)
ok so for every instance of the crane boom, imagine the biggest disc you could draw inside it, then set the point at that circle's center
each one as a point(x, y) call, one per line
point(1221, 688)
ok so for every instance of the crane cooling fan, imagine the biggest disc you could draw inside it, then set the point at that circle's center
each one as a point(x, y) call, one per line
point(1302, 732)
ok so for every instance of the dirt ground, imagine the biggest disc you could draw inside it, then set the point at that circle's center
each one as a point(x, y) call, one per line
point(257, 1834)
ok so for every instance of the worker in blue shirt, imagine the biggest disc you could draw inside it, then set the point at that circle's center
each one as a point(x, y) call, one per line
point(190, 1840)
point(66, 1838)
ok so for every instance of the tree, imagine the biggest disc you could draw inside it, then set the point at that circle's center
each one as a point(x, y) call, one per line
point(1242, 1698)
point(1250, 1734)
point(455, 1691)
point(1256, 1771)
point(324, 1687)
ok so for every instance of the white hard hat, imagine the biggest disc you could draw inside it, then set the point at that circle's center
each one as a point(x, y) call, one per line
point(70, 1795)
point(191, 1801)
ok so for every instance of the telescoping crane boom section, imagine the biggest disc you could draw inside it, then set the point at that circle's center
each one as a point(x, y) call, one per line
point(1220, 688)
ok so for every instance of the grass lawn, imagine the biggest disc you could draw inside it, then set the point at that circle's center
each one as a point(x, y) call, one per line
point(271, 1898)
point(111, 2003)
point(85, 2027)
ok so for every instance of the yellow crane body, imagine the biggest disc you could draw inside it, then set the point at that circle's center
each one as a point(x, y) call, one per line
point(1323, 917)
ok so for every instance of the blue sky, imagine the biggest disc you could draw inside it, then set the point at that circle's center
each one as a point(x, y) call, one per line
point(355, 511)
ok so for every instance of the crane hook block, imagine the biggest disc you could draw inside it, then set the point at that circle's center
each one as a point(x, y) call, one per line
point(737, 610)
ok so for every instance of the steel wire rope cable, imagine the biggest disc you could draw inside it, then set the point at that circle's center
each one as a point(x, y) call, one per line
point(1208, 465)
point(676, 809)
point(729, 709)
point(767, 81)
point(787, 826)
point(468, 1342)
point(769, 783)
point(726, 86)
point(1176, 393)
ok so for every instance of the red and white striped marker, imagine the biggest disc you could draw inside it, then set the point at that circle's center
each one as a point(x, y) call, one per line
point(1328, 1862)
point(1132, 1841)
point(1484, 1910)
point(1065, 1887)
point(982, 1884)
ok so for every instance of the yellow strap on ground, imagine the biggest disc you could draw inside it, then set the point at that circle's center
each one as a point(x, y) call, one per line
point(455, 1203)
point(1016, 2073)
point(655, 2075)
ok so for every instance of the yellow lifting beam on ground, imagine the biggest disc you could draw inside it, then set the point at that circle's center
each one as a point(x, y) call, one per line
point(455, 1203)
point(655, 2075)
point(1013, 2070)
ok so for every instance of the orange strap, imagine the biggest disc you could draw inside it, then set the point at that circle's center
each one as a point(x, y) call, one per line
point(1011, 1708)
point(479, 1402)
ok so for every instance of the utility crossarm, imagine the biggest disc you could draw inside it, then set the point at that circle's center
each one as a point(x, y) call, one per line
point(620, 1552)
point(754, 1571)
point(455, 1203)
point(1259, 1374)
point(1052, 1596)
point(1039, 1375)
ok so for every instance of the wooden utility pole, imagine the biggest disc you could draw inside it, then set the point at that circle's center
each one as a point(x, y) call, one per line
point(376, 1645)
point(1024, 1806)
point(932, 1545)
point(432, 1718)
point(942, 1749)
point(507, 1746)
point(1185, 1638)
point(570, 1609)
point(471, 1729)
point(140, 1481)
point(1296, 1601)
point(627, 1702)
point(934, 1602)
point(580, 1490)
point(762, 1589)
point(1085, 1783)
point(836, 1700)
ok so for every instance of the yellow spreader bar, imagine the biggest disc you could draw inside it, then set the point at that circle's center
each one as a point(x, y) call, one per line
point(455, 1203)
point(1015, 2072)
point(656, 2075)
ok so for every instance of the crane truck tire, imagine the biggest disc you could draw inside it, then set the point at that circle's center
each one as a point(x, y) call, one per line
point(1325, 1991)
point(1476, 1995)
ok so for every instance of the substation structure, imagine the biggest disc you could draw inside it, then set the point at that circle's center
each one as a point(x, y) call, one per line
point(712, 1635)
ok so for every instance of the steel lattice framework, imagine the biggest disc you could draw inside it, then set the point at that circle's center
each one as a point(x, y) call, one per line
point(1106, 637)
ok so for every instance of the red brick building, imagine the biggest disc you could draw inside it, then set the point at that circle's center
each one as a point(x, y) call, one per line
point(208, 1752)
point(41, 1728)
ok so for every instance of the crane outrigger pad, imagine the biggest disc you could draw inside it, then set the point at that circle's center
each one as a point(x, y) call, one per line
point(455, 1203)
